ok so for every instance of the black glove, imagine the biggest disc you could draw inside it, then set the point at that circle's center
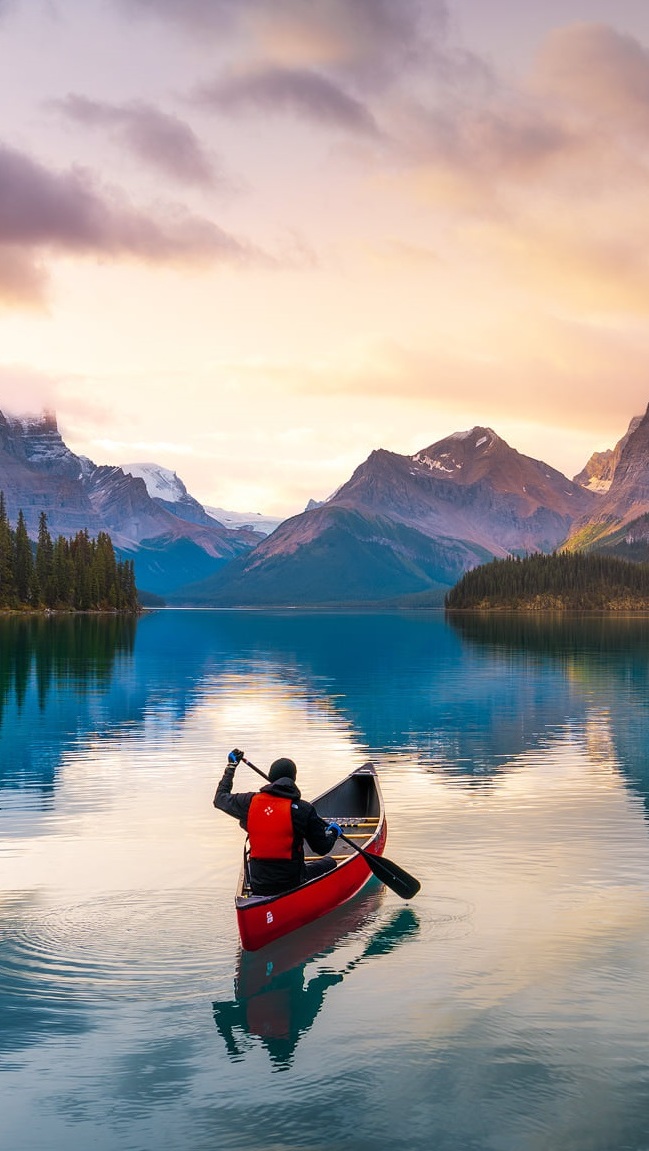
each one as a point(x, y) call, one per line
point(235, 757)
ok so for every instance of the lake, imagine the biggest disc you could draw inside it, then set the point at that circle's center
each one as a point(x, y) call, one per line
point(503, 1009)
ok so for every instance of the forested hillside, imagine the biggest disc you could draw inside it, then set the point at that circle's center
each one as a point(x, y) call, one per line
point(78, 574)
point(576, 581)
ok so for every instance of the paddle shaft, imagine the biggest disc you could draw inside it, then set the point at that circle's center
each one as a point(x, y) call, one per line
point(388, 872)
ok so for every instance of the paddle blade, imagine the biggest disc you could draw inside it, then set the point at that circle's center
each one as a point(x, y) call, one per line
point(388, 872)
point(393, 876)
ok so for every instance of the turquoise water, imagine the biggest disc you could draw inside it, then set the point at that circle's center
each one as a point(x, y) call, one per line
point(504, 1009)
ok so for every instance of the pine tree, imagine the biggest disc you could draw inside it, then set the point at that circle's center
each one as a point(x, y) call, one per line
point(23, 562)
point(45, 563)
point(7, 582)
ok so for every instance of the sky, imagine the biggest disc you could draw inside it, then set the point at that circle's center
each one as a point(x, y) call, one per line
point(254, 240)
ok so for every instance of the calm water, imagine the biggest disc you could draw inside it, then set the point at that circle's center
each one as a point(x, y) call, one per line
point(504, 1009)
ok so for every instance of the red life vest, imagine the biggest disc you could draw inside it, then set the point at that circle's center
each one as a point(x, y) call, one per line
point(270, 827)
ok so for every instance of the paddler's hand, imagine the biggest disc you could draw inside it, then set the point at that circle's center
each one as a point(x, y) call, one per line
point(234, 758)
point(335, 827)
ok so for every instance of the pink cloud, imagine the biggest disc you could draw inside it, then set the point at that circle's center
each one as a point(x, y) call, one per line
point(44, 212)
point(300, 91)
point(598, 71)
point(165, 142)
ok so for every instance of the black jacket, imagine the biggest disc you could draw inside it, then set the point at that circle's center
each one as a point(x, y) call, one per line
point(270, 876)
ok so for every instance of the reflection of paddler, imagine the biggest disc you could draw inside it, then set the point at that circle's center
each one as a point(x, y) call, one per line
point(276, 1005)
point(278, 1016)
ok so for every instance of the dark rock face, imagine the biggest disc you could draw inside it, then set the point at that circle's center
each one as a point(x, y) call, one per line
point(598, 473)
point(39, 473)
point(627, 499)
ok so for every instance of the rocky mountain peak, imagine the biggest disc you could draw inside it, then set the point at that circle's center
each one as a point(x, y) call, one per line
point(627, 498)
point(631, 478)
point(161, 483)
point(35, 440)
point(451, 454)
point(598, 473)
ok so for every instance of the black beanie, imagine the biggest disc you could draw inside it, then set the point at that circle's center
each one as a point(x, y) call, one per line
point(281, 769)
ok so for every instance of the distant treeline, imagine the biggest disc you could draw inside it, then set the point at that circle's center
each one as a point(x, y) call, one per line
point(79, 574)
point(575, 581)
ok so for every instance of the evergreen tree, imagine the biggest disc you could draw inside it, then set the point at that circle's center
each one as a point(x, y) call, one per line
point(45, 563)
point(63, 574)
point(579, 581)
point(23, 562)
point(7, 582)
point(80, 574)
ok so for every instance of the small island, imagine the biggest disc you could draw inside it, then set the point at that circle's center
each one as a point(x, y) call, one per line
point(562, 581)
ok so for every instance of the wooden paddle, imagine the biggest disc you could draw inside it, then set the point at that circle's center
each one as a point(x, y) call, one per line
point(384, 869)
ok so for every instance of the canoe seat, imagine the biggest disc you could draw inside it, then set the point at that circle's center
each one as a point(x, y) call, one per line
point(345, 821)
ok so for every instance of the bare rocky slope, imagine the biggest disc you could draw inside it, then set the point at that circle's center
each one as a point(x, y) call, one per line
point(620, 519)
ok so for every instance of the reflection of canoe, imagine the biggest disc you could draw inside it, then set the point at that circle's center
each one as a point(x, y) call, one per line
point(357, 805)
point(280, 991)
point(256, 970)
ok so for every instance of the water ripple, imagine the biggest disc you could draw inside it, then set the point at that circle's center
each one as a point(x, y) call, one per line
point(156, 945)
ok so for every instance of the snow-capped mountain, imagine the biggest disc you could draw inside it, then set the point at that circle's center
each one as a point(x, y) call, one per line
point(254, 521)
point(161, 483)
point(38, 472)
point(38, 443)
point(169, 491)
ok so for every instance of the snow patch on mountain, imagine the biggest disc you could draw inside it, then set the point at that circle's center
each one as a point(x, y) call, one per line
point(420, 458)
point(457, 450)
point(161, 483)
point(255, 521)
point(38, 442)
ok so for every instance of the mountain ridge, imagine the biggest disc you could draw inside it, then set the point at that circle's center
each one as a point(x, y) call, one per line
point(39, 473)
point(405, 525)
point(626, 502)
point(400, 526)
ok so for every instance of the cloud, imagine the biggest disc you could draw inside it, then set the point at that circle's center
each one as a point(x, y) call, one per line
point(161, 140)
point(196, 15)
point(373, 40)
point(23, 278)
point(599, 72)
point(26, 390)
point(547, 180)
point(44, 212)
point(284, 90)
point(505, 142)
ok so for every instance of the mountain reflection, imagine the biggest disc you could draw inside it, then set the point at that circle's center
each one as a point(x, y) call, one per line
point(600, 661)
point(461, 697)
point(276, 1003)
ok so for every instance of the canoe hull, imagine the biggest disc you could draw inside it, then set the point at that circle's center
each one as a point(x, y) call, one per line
point(263, 919)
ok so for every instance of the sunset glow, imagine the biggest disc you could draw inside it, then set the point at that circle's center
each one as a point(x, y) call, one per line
point(252, 240)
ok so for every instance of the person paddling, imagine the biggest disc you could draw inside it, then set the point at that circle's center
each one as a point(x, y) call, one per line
point(278, 822)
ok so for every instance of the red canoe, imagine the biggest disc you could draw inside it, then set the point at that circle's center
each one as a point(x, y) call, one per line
point(357, 805)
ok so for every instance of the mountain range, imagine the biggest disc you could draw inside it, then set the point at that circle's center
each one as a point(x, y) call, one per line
point(171, 542)
point(406, 525)
point(402, 528)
